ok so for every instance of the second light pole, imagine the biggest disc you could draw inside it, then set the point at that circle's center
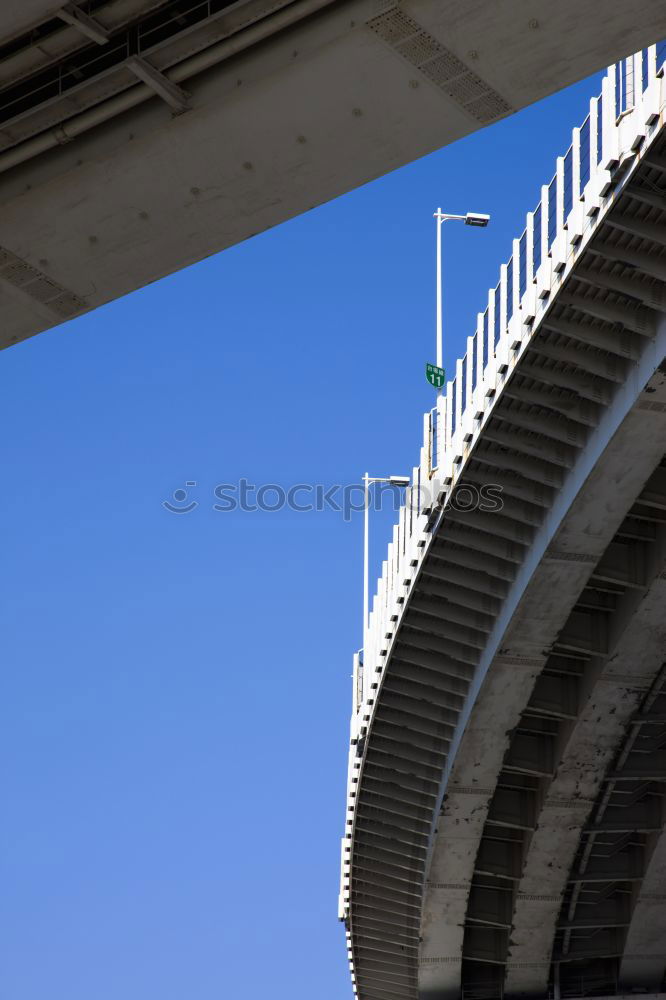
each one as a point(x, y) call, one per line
point(471, 219)
point(394, 481)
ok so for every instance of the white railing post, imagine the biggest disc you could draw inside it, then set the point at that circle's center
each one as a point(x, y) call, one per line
point(479, 401)
point(576, 214)
point(448, 426)
point(558, 249)
point(356, 684)
point(527, 304)
point(515, 283)
point(641, 102)
point(478, 381)
point(591, 200)
point(427, 456)
point(491, 323)
point(514, 324)
point(609, 152)
point(652, 63)
point(441, 433)
point(503, 300)
point(501, 349)
point(457, 436)
point(469, 391)
point(652, 97)
point(389, 572)
point(543, 276)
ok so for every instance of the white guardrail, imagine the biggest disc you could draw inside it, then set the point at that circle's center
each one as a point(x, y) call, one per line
point(620, 123)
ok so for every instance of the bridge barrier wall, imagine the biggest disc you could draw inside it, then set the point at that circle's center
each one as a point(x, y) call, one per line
point(587, 179)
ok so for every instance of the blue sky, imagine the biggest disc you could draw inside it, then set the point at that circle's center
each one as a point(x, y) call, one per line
point(176, 687)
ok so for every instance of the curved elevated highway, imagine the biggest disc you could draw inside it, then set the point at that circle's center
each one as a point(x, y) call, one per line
point(505, 830)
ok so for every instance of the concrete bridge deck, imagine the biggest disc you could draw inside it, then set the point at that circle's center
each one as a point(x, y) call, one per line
point(139, 136)
point(505, 831)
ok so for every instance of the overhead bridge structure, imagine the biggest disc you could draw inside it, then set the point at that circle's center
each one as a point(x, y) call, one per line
point(139, 136)
point(505, 831)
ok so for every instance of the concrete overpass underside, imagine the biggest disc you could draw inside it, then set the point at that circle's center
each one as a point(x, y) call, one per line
point(138, 136)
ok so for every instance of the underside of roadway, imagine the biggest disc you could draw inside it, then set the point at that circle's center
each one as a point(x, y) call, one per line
point(125, 159)
point(517, 756)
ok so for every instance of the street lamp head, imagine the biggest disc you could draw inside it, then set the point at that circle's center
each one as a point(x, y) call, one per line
point(476, 219)
point(399, 480)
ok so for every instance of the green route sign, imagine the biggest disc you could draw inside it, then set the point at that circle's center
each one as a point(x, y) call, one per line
point(435, 376)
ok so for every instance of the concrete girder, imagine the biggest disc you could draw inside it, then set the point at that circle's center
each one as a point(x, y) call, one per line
point(478, 763)
point(657, 161)
point(437, 625)
point(531, 444)
point(466, 597)
point(381, 850)
point(593, 389)
point(178, 99)
point(531, 754)
point(648, 196)
point(449, 611)
point(513, 808)
point(497, 524)
point(645, 261)
point(434, 732)
point(559, 428)
point(638, 319)
point(382, 887)
point(644, 958)
point(421, 656)
point(451, 675)
point(555, 400)
point(467, 537)
point(544, 474)
point(515, 486)
point(651, 294)
point(84, 23)
point(624, 565)
point(590, 362)
point(460, 651)
point(424, 713)
point(555, 696)
point(517, 510)
point(487, 577)
point(397, 826)
point(606, 339)
point(654, 232)
point(570, 798)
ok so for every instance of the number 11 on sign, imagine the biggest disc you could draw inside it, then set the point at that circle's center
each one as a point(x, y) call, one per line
point(435, 376)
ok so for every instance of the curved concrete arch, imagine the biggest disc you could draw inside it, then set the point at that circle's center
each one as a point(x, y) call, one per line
point(492, 630)
point(643, 963)
point(510, 681)
point(615, 695)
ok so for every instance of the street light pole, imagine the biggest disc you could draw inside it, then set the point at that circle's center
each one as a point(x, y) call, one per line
point(440, 219)
point(394, 481)
point(366, 551)
point(470, 219)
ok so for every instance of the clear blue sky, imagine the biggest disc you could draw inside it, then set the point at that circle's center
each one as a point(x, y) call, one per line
point(176, 687)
